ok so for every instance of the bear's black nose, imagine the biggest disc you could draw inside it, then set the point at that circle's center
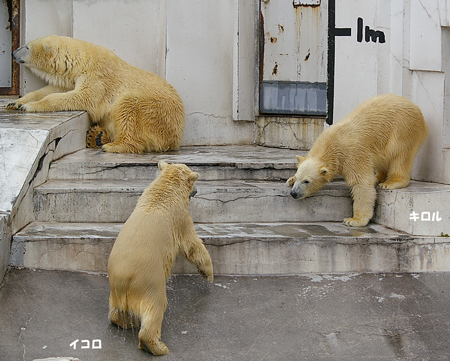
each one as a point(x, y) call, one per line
point(294, 194)
point(16, 58)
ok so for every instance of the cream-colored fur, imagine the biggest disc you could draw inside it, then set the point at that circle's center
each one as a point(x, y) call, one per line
point(140, 111)
point(376, 143)
point(143, 254)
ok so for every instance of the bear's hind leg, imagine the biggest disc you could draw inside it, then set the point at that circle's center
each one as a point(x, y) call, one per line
point(399, 173)
point(123, 319)
point(119, 315)
point(125, 115)
point(381, 176)
point(150, 333)
point(119, 146)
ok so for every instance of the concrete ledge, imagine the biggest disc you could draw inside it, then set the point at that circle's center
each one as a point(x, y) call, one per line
point(5, 242)
point(419, 209)
point(255, 248)
point(28, 143)
point(288, 132)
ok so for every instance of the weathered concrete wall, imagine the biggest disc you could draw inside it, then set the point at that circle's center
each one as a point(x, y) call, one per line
point(28, 143)
point(205, 49)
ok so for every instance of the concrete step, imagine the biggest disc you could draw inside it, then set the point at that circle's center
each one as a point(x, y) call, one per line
point(251, 248)
point(226, 202)
point(216, 201)
point(212, 162)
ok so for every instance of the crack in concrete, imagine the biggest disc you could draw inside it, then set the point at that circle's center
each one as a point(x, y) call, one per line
point(237, 198)
point(426, 11)
point(208, 115)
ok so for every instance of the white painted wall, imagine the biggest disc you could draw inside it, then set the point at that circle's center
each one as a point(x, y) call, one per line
point(134, 30)
point(200, 58)
point(192, 44)
point(413, 62)
point(357, 65)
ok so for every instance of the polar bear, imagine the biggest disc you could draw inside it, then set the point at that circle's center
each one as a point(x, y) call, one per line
point(376, 143)
point(143, 254)
point(138, 110)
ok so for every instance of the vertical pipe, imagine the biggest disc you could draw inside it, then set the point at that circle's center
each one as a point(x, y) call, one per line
point(331, 59)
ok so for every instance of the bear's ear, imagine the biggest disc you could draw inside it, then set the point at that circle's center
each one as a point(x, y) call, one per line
point(300, 159)
point(193, 176)
point(46, 47)
point(323, 171)
point(162, 165)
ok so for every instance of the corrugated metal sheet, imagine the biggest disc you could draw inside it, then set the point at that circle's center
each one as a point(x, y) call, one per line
point(282, 97)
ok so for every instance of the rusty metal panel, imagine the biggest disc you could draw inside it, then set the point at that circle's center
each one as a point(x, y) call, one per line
point(295, 41)
point(293, 64)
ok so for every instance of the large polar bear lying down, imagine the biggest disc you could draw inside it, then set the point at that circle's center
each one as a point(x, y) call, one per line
point(139, 111)
point(376, 143)
point(142, 256)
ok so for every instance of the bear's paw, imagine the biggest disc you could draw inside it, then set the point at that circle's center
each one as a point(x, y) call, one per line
point(290, 181)
point(157, 348)
point(96, 137)
point(13, 106)
point(356, 222)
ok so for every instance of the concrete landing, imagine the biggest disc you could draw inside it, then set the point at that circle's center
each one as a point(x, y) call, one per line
point(309, 317)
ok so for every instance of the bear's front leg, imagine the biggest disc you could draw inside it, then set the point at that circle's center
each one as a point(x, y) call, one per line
point(196, 253)
point(57, 102)
point(363, 203)
point(34, 96)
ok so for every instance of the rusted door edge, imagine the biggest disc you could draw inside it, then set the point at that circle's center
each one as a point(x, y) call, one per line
point(14, 21)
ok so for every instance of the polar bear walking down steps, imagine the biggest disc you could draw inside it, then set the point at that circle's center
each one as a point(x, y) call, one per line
point(138, 110)
point(376, 143)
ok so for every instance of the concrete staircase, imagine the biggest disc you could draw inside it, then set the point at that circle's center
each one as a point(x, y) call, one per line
point(243, 212)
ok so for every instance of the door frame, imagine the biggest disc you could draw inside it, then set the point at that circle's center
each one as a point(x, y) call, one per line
point(331, 54)
point(14, 21)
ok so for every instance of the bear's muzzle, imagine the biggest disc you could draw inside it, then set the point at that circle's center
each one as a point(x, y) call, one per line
point(193, 192)
point(296, 195)
point(20, 54)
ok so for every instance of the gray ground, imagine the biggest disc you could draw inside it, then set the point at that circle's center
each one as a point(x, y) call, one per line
point(310, 317)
